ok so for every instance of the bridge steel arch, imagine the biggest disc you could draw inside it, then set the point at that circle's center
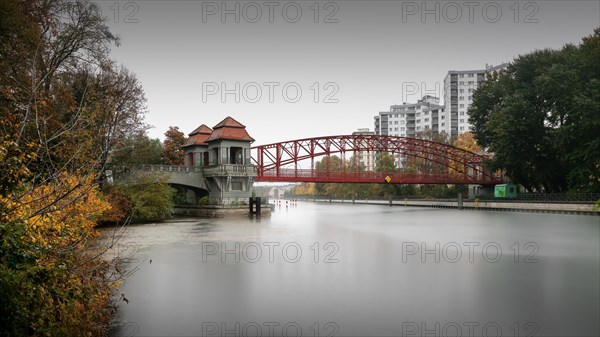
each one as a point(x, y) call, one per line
point(425, 161)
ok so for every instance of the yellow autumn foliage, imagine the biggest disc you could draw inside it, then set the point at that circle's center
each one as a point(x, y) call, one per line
point(58, 215)
point(52, 284)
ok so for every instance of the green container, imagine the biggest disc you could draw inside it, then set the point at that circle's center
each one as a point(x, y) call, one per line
point(505, 191)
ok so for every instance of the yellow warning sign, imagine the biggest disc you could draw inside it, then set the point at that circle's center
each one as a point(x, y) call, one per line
point(388, 179)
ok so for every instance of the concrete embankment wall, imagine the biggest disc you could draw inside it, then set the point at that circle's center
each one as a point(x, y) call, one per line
point(217, 211)
point(514, 206)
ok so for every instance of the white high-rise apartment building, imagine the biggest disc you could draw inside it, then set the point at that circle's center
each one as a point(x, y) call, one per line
point(407, 119)
point(366, 158)
point(459, 87)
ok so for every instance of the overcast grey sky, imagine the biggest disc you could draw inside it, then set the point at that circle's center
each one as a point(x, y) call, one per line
point(361, 54)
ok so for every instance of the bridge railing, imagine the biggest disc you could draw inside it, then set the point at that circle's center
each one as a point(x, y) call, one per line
point(167, 168)
point(229, 169)
point(214, 170)
point(309, 175)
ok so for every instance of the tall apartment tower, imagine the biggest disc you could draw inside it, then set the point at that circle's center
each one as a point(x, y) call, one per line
point(365, 158)
point(407, 119)
point(459, 87)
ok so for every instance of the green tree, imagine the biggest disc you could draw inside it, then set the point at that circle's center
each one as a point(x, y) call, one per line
point(329, 166)
point(429, 134)
point(172, 152)
point(540, 118)
point(386, 163)
point(149, 195)
point(137, 149)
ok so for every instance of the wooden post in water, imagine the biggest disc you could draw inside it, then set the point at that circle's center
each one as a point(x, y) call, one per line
point(258, 202)
point(254, 206)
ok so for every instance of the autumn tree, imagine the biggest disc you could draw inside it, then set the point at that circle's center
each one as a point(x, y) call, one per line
point(467, 141)
point(305, 189)
point(172, 152)
point(63, 104)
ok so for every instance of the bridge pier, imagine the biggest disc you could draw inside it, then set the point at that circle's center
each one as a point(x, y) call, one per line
point(229, 184)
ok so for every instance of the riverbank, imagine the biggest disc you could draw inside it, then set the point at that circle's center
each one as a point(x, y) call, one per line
point(508, 205)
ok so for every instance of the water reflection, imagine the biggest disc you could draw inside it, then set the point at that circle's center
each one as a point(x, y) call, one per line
point(366, 270)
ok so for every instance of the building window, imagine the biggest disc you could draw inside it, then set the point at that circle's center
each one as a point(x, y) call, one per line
point(462, 90)
point(462, 105)
point(471, 82)
point(461, 98)
point(402, 129)
point(418, 121)
point(443, 117)
point(443, 124)
point(462, 113)
point(462, 83)
point(462, 75)
point(426, 126)
point(470, 90)
point(462, 121)
point(236, 185)
point(470, 98)
point(427, 119)
point(462, 128)
point(471, 75)
point(418, 128)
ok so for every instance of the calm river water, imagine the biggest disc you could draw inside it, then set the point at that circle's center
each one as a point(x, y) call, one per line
point(363, 270)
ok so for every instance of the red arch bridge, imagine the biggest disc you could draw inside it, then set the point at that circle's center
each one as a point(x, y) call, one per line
point(368, 159)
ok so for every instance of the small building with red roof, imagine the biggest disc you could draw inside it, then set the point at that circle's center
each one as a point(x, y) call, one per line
point(196, 147)
point(229, 143)
point(223, 152)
